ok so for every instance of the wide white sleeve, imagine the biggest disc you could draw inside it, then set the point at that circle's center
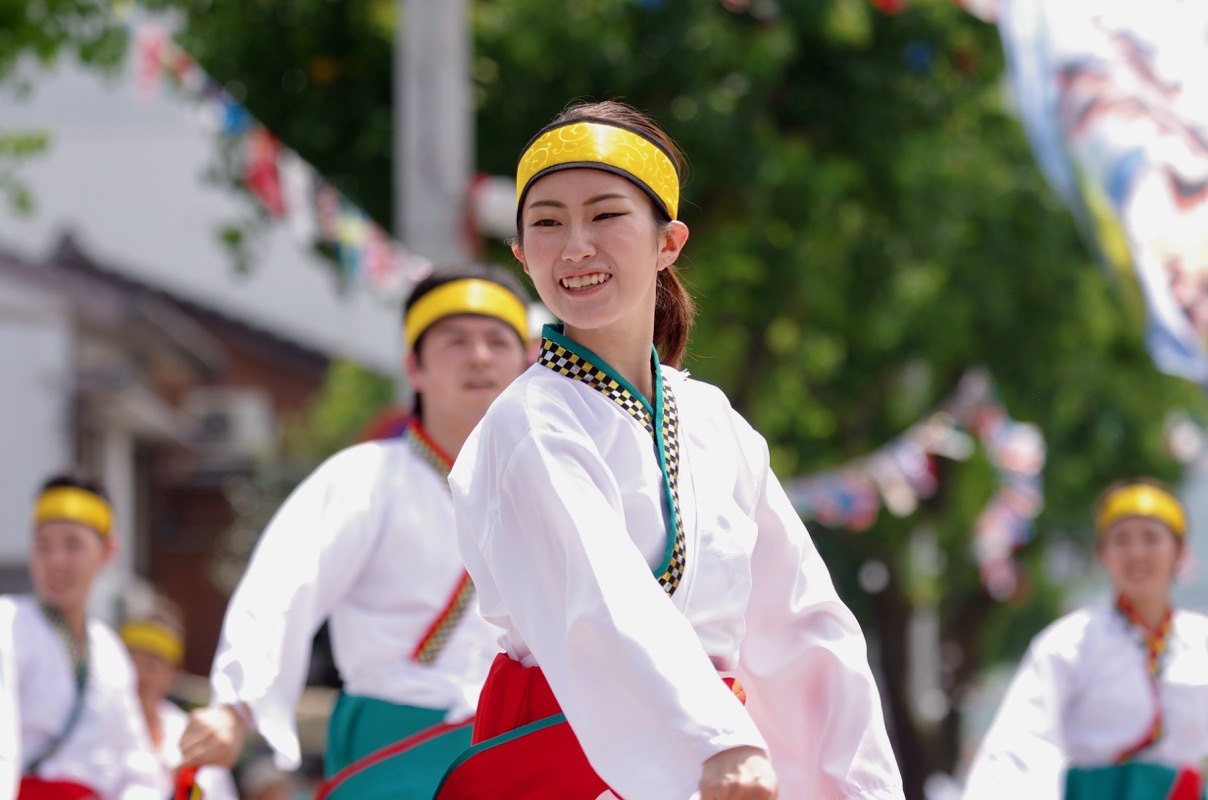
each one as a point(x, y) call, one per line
point(10, 716)
point(1021, 753)
point(141, 776)
point(308, 557)
point(804, 664)
point(627, 668)
point(217, 784)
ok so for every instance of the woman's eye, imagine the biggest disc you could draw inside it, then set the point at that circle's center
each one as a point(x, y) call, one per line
point(543, 223)
point(610, 215)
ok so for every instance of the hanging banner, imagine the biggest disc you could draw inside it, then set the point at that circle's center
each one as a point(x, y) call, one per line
point(1113, 95)
point(902, 472)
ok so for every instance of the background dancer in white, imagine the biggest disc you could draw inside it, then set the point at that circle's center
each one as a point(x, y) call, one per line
point(70, 725)
point(368, 542)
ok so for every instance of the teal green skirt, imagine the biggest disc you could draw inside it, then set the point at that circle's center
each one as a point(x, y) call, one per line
point(1132, 781)
point(377, 749)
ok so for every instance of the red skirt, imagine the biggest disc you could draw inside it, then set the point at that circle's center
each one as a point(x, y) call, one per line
point(522, 745)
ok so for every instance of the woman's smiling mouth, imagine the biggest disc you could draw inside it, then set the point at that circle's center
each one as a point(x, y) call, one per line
point(584, 281)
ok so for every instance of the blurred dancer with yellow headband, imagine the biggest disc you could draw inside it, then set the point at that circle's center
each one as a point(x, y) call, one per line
point(1114, 696)
point(628, 537)
point(367, 542)
point(69, 721)
point(156, 642)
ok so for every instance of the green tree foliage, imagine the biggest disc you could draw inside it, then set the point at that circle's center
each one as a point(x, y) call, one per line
point(36, 33)
point(40, 31)
point(867, 222)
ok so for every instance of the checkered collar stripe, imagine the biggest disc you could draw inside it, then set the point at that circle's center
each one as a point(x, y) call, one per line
point(578, 363)
point(422, 445)
point(441, 629)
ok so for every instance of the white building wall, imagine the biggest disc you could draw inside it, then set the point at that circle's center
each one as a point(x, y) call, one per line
point(35, 412)
point(127, 177)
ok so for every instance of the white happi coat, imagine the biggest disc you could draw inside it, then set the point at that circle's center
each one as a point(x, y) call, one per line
point(108, 748)
point(1082, 696)
point(368, 541)
point(559, 497)
point(215, 783)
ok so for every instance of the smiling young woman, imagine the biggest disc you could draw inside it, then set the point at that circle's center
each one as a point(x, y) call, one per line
point(627, 535)
point(1119, 692)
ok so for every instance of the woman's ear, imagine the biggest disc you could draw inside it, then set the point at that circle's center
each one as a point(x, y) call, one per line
point(673, 237)
point(518, 252)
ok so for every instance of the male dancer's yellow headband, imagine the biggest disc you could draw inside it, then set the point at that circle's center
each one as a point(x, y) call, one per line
point(74, 505)
point(147, 636)
point(466, 296)
point(1142, 500)
point(597, 144)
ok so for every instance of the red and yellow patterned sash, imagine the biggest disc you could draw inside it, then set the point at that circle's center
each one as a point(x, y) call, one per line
point(1155, 641)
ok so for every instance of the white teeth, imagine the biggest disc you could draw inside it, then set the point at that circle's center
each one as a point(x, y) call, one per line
point(579, 281)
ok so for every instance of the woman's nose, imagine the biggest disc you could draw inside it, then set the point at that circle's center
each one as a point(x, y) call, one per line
point(578, 245)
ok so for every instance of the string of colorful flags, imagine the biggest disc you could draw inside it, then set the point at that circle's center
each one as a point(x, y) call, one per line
point(903, 471)
point(897, 475)
point(289, 189)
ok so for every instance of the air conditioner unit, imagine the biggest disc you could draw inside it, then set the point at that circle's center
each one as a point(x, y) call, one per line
point(235, 425)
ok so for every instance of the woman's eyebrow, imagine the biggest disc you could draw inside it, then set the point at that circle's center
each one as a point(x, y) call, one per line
point(602, 197)
point(590, 201)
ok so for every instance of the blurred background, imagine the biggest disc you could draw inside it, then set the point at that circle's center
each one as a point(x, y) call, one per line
point(946, 261)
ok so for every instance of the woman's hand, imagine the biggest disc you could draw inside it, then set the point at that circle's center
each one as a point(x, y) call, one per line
point(214, 735)
point(741, 773)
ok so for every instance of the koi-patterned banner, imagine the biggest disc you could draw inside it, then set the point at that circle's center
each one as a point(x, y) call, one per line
point(287, 187)
point(903, 471)
point(1114, 97)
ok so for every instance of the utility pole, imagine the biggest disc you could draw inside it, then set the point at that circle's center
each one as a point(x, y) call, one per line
point(433, 128)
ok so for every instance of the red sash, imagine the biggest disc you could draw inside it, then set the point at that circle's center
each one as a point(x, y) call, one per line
point(38, 789)
point(185, 785)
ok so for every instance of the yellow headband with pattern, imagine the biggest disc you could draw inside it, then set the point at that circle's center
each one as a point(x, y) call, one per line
point(1142, 500)
point(601, 145)
point(466, 296)
point(74, 505)
point(158, 640)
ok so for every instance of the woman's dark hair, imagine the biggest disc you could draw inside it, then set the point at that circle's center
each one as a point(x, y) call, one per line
point(76, 479)
point(674, 310)
point(447, 274)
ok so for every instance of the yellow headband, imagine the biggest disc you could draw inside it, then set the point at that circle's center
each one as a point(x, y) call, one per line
point(1142, 500)
point(75, 505)
point(600, 145)
point(158, 640)
point(466, 296)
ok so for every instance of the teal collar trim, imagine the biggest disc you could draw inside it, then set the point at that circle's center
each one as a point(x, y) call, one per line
point(572, 360)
